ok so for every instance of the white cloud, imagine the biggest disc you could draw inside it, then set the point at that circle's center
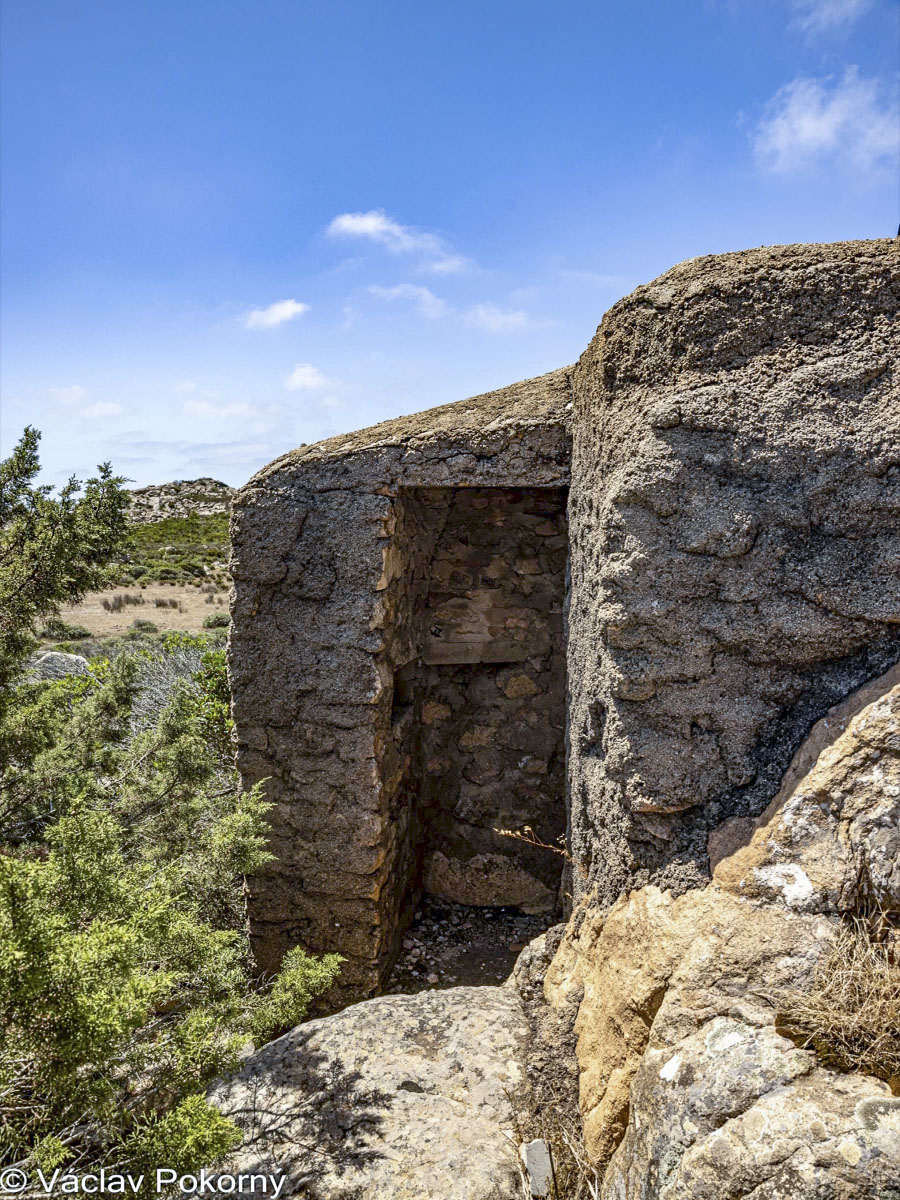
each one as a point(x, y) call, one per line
point(306, 378)
point(495, 320)
point(185, 386)
point(378, 227)
point(102, 409)
point(429, 304)
point(332, 402)
point(822, 16)
point(207, 409)
point(810, 120)
point(276, 314)
point(69, 395)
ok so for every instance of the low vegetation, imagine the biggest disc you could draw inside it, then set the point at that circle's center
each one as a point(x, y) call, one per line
point(850, 1014)
point(190, 549)
point(126, 980)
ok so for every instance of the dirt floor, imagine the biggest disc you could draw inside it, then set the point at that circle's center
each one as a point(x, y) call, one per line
point(151, 603)
point(451, 945)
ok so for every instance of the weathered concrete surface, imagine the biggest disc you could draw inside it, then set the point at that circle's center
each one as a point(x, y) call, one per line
point(735, 533)
point(687, 1089)
point(332, 556)
point(407, 1097)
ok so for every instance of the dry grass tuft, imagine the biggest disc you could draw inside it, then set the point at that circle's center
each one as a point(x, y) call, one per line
point(850, 1013)
point(559, 1125)
point(117, 603)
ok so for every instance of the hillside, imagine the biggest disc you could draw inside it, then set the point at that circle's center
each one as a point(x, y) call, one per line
point(172, 574)
point(181, 498)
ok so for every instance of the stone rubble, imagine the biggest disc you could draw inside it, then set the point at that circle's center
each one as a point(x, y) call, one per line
point(449, 944)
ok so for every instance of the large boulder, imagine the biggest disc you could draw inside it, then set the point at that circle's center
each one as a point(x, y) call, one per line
point(54, 664)
point(407, 1097)
point(688, 1089)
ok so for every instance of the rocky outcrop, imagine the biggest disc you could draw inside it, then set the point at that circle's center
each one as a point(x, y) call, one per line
point(407, 1097)
point(182, 498)
point(687, 1087)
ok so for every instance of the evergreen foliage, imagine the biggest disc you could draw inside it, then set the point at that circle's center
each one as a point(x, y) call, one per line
point(52, 549)
point(126, 982)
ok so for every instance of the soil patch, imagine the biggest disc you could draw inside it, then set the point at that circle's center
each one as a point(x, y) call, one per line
point(455, 945)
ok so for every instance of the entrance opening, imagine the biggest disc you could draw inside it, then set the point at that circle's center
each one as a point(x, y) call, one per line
point(478, 716)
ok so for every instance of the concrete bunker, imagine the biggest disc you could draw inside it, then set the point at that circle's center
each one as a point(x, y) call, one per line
point(398, 669)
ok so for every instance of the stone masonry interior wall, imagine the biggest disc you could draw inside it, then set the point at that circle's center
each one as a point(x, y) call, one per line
point(482, 708)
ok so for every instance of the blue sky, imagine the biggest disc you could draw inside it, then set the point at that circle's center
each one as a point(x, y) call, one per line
point(232, 226)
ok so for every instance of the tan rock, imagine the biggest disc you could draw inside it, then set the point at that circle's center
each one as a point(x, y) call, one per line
point(831, 839)
point(686, 1088)
point(517, 687)
point(433, 711)
point(669, 965)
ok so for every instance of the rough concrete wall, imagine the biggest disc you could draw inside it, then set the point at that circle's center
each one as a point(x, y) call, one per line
point(735, 540)
point(491, 718)
point(313, 715)
point(329, 551)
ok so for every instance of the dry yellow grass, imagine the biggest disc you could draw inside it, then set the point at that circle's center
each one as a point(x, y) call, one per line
point(850, 1014)
point(188, 613)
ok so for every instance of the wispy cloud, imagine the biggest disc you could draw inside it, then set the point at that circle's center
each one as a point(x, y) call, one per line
point(201, 407)
point(493, 319)
point(101, 409)
point(813, 120)
point(75, 394)
point(824, 16)
point(378, 227)
point(428, 303)
point(69, 395)
point(306, 378)
point(275, 314)
point(591, 278)
point(184, 387)
point(194, 455)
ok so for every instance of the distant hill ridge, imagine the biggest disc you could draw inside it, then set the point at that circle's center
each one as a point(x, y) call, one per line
point(181, 498)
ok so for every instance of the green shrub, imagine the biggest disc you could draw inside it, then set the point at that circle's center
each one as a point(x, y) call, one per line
point(52, 549)
point(143, 626)
point(217, 621)
point(191, 1134)
point(179, 548)
point(56, 628)
point(300, 979)
point(126, 979)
